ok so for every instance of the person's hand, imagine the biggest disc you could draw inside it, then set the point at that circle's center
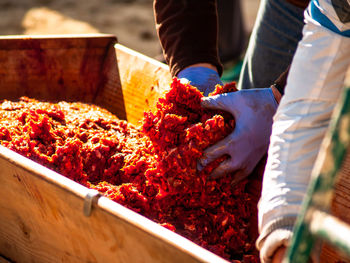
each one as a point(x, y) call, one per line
point(253, 111)
point(279, 255)
point(202, 77)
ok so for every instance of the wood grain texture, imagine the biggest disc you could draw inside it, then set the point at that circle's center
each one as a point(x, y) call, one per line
point(132, 83)
point(143, 80)
point(56, 68)
point(42, 220)
point(91, 69)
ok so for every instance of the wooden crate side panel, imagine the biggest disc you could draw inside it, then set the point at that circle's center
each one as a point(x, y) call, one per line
point(17, 42)
point(143, 81)
point(87, 69)
point(110, 93)
point(42, 221)
point(52, 68)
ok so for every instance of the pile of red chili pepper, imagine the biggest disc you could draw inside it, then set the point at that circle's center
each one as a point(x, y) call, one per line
point(150, 169)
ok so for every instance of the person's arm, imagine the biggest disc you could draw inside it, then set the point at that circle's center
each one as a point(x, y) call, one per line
point(187, 30)
point(314, 84)
point(279, 85)
point(299, 3)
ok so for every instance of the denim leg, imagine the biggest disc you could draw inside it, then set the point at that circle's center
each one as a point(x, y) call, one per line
point(277, 31)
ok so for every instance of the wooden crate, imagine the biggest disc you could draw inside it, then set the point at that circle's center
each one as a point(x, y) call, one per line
point(91, 69)
point(41, 212)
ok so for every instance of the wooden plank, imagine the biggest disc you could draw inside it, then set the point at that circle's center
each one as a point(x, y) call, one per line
point(143, 80)
point(42, 221)
point(83, 68)
point(19, 42)
point(53, 68)
point(133, 83)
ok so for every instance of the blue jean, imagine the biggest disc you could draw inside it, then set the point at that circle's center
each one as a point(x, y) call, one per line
point(274, 39)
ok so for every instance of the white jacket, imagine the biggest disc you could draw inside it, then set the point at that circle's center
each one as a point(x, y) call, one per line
point(314, 84)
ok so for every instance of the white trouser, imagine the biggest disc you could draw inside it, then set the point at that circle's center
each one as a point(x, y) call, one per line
point(314, 84)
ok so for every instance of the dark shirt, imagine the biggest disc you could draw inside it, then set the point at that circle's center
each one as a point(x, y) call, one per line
point(187, 30)
point(299, 3)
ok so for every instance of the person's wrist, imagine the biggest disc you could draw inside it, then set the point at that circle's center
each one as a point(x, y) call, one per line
point(279, 255)
point(203, 78)
point(276, 93)
point(205, 65)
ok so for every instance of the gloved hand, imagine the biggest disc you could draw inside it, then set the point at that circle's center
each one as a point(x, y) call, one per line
point(253, 111)
point(203, 78)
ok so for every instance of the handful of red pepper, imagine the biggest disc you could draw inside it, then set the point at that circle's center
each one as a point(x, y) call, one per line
point(150, 169)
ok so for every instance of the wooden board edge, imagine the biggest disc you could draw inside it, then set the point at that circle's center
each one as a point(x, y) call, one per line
point(142, 56)
point(162, 233)
point(45, 42)
point(111, 207)
point(54, 36)
point(143, 80)
point(42, 172)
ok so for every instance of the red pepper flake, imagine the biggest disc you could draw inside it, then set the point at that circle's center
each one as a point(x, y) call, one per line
point(150, 169)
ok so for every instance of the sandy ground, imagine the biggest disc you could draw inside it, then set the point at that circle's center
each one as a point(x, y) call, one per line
point(132, 21)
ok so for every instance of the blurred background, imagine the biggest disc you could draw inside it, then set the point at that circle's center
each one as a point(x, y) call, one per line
point(132, 21)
